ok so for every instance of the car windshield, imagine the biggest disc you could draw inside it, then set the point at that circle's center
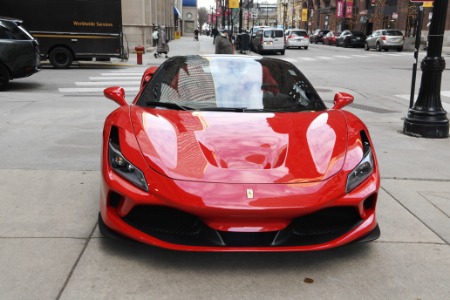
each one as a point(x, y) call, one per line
point(299, 33)
point(230, 83)
point(267, 33)
point(393, 33)
point(278, 33)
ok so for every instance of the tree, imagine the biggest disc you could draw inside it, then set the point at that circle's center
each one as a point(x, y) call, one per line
point(202, 16)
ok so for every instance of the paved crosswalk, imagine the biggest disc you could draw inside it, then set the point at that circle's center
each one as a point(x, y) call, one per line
point(130, 81)
point(445, 99)
point(368, 55)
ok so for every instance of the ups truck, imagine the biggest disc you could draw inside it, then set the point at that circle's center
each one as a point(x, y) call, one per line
point(71, 30)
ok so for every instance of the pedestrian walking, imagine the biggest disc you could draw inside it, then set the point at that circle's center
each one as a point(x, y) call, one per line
point(215, 33)
point(196, 34)
point(163, 43)
point(155, 36)
point(223, 44)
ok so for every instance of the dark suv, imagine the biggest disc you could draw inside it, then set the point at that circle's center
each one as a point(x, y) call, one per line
point(19, 51)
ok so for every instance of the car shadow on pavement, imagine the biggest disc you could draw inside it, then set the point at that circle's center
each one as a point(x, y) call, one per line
point(262, 261)
point(21, 85)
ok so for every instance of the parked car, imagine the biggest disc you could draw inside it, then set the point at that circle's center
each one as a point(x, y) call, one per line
point(318, 35)
point(269, 40)
point(236, 153)
point(297, 38)
point(19, 51)
point(350, 38)
point(385, 39)
point(329, 38)
point(255, 29)
point(253, 32)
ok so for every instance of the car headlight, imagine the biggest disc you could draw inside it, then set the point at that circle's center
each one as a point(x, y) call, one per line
point(361, 172)
point(126, 169)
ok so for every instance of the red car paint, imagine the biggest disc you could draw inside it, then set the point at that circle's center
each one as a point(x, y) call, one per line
point(283, 166)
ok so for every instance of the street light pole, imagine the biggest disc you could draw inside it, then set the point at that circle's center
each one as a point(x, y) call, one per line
point(428, 118)
point(240, 16)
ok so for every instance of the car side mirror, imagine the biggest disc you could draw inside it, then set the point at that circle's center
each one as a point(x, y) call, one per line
point(148, 74)
point(342, 99)
point(117, 94)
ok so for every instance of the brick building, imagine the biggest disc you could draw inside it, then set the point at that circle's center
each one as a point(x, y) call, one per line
point(362, 15)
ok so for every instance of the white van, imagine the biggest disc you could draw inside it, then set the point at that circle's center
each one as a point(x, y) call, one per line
point(269, 39)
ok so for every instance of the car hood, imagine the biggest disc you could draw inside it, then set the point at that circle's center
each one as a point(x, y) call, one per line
point(236, 147)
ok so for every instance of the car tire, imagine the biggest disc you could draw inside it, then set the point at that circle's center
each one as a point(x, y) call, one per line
point(366, 47)
point(345, 44)
point(337, 44)
point(61, 58)
point(282, 52)
point(4, 77)
point(400, 49)
point(378, 47)
point(306, 48)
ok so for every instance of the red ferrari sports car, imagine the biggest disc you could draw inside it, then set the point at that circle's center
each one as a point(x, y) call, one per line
point(236, 153)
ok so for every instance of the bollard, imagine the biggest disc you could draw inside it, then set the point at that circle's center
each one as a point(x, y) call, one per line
point(139, 52)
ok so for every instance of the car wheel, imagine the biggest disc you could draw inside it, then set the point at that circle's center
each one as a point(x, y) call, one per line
point(282, 52)
point(337, 44)
point(61, 58)
point(4, 77)
point(366, 46)
point(345, 44)
point(378, 47)
point(400, 49)
point(306, 48)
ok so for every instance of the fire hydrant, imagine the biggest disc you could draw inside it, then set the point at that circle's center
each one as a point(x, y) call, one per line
point(139, 52)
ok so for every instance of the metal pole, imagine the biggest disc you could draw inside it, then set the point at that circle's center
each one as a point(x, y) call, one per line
point(428, 118)
point(416, 54)
point(240, 16)
point(223, 12)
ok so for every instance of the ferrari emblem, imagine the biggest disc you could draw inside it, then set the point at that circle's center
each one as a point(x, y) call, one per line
point(249, 193)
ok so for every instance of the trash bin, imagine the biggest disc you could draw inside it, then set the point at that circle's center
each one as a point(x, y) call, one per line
point(244, 42)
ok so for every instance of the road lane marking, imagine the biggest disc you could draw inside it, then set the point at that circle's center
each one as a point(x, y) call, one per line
point(107, 83)
point(121, 78)
point(91, 90)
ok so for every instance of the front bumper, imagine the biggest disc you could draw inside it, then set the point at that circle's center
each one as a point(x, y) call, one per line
point(180, 220)
point(294, 43)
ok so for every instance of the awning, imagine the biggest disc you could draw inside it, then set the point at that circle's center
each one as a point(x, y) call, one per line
point(176, 12)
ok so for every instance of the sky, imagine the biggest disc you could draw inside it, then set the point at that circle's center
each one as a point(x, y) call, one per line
point(208, 3)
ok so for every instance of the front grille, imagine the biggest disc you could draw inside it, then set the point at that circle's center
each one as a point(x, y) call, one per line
point(178, 227)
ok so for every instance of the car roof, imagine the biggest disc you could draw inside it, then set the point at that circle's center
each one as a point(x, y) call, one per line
point(12, 20)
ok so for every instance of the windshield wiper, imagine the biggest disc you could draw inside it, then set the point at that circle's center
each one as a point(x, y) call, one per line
point(169, 105)
point(233, 109)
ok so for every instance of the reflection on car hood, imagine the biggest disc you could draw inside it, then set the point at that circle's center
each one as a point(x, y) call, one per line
point(242, 147)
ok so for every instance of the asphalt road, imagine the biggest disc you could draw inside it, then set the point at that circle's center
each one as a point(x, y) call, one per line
point(50, 246)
